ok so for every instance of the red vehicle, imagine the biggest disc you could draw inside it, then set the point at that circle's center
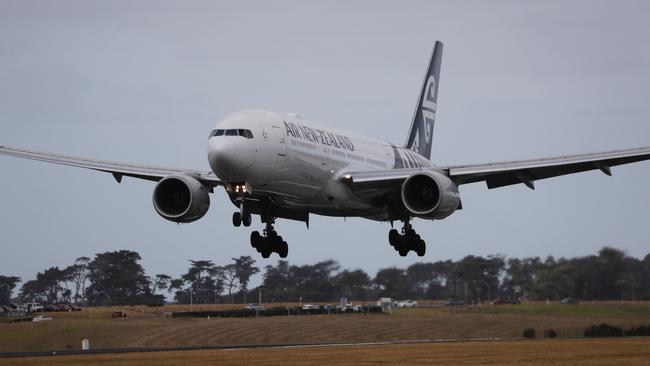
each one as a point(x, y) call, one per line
point(64, 307)
point(119, 314)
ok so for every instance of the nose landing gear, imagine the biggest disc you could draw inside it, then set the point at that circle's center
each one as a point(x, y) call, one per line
point(241, 217)
point(238, 218)
point(269, 242)
point(406, 241)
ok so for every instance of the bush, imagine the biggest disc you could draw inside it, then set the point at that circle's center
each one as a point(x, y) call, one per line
point(603, 331)
point(550, 333)
point(529, 333)
point(640, 331)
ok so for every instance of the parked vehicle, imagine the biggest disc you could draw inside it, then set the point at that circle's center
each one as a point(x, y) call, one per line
point(569, 301)
point(407, 304)
point(119, 314)
point(454, 302)
point(33, 307)
point(50, 307)
point(41, 318)
point(309, 307)
point(75, 308)
point(254, 306)
point(64, 307)
point(384, 301)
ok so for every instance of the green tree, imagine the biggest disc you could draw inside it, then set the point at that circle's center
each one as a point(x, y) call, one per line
point(354, 284)
point(77, 274)
point(117, 278)
point(205, 280)
point(160, 282)
point(7, 285)
point(392, 282)
point(245, 268)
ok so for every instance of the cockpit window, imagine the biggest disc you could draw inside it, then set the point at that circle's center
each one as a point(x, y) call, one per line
point(232, 132)
point(216, 133)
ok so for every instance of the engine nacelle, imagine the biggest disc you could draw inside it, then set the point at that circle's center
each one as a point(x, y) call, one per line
point(181, 198)
point(430, 195)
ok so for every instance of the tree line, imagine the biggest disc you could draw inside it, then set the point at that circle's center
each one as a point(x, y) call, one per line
point(117, 277)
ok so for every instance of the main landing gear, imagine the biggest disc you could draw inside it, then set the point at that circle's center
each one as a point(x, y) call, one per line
point(406, 241)
point(269, 242)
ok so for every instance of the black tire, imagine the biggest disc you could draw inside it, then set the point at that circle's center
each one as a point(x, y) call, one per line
point(403, 252)
point(266, 253)
point(421, 248)
point(246, 220)
point(284, 250)
point(393, 237)
point(409, 235)
point(255, 239)
point(236, 219)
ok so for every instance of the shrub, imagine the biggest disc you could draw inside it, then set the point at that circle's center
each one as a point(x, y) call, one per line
point(529, 333)
point(640, 331)
point(603, 330)
point(550, 333)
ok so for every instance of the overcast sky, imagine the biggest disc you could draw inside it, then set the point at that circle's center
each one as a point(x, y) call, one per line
point(145, 82)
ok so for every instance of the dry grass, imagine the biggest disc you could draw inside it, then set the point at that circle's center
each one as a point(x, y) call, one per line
point(146, 327)
point(569, 352)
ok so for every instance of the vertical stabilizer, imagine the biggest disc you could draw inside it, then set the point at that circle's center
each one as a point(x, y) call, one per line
point(420, 135)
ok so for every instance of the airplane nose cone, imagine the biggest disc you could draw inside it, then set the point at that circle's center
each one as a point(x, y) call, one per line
point(224, 159)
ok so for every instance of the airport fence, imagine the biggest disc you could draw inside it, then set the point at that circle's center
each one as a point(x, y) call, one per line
point(246, 313)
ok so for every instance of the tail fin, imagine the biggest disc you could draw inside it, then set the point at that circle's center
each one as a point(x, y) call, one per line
point(421, 133)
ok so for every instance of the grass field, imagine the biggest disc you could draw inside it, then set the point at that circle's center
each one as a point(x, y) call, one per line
point(541, 352)
point(146, 327)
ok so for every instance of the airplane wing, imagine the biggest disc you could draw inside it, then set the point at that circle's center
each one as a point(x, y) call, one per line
point(502, 174)
point(153, 173)
point(527, 171)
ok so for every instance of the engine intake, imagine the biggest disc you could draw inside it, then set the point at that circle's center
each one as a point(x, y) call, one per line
point(430, 195)
point(181, 198)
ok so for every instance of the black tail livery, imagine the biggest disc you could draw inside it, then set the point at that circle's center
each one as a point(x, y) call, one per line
point(420, 135)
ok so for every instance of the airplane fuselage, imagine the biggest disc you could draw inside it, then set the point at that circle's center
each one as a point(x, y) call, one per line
point(297, 163)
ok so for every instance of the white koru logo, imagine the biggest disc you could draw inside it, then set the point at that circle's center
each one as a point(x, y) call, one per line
point(416, 142)
point(429, 107)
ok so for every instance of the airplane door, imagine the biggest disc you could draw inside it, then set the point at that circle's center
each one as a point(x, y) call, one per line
point(281, 143)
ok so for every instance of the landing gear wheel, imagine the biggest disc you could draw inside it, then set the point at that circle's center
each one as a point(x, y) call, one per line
point(420, 248)
point(246, 219)
point(236, 219)
point(403, 252)
point(283, 250)
point(410, 235)
point(393, 237)
point(256, 238)
point(268, 241)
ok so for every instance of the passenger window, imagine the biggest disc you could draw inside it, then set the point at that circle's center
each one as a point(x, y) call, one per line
point(231, 132)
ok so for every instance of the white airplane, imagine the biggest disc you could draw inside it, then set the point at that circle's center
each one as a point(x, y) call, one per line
point(282, 166)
